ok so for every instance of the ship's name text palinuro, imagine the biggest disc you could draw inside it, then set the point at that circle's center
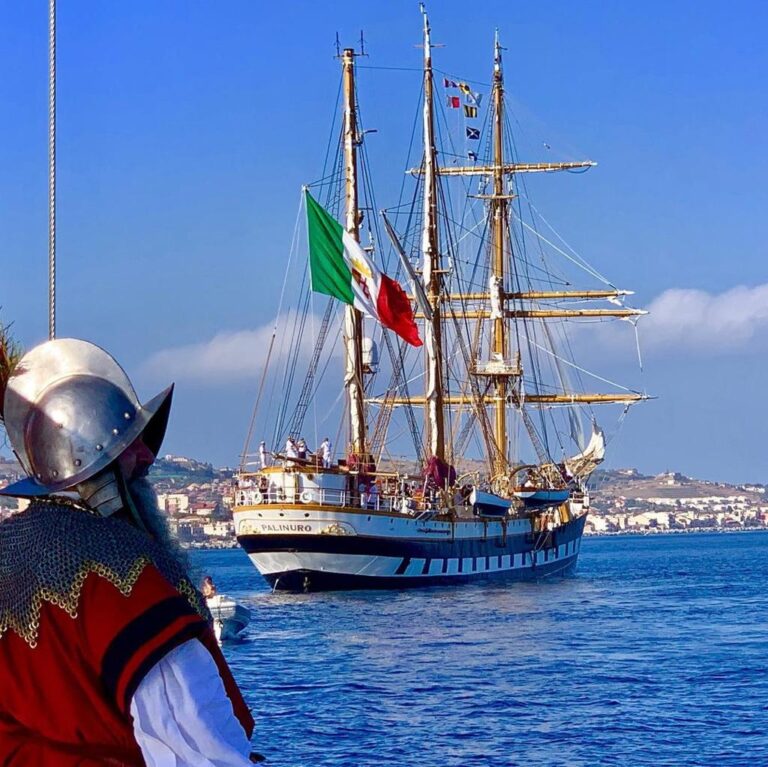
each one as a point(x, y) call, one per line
point(285, 527)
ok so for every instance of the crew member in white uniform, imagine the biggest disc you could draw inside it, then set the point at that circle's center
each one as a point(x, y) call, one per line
point(325, 452)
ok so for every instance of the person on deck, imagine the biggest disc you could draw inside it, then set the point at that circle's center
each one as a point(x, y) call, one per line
point(291, 451)
point(301, 448)
point(263, 454)
point(325, 452)
point(107, 655)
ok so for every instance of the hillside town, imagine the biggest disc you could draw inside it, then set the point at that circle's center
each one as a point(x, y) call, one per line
point(625, 501)
point(196, 497)
point(198, 500)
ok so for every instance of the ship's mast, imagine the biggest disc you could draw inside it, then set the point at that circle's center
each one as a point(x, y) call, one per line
point(504, 368)
point(353, 320)
point(498, 210)
point(432, 273)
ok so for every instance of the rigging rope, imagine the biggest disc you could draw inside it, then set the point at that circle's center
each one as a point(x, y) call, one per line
point(581, 369)
point(249, 436)
point(576, 258)
point(299, 321)
point(637, 341)
point(297, 335)
point(305, 396)
point(52, 169)
point(588, 269)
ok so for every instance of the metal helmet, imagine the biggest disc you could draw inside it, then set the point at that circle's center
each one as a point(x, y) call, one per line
point(70, 410)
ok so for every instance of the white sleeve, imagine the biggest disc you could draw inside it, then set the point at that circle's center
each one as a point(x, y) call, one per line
point(182, 716)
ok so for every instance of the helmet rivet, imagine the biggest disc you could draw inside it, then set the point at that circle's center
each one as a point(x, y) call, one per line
point(115, 431)
point(127, 416)
point(99, 447)
point(38, 475)
point(78, 462)
point(55, 473)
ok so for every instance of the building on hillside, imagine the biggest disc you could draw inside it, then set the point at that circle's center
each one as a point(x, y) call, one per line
point(219, 529)
point(187, 529)
point(173, 503)
point(203, 509)
point(596, 524)
point(649, 520)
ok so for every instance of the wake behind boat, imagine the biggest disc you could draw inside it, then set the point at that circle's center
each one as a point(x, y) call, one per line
point(496, 367)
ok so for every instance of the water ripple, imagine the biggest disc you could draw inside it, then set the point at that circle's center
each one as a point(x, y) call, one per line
point(655, 653)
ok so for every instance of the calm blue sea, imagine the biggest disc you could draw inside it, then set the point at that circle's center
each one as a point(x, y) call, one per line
point(654, 653)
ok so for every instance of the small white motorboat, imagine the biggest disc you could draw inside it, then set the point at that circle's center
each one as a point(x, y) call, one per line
point(229, 617)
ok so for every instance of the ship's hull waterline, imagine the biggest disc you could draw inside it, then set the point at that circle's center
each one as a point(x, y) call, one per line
point(299, 549)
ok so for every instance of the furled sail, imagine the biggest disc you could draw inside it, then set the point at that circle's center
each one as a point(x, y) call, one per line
point(585, 462)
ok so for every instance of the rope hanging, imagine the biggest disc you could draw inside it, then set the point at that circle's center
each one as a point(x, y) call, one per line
point(51, 169)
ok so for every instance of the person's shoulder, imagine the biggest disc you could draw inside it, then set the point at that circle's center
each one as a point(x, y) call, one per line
point(63, 526)
point(45, 520)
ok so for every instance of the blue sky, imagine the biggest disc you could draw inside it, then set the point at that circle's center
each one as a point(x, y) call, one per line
point(187, 128)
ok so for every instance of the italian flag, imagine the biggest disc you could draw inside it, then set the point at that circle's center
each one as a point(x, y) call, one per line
point(342, 269)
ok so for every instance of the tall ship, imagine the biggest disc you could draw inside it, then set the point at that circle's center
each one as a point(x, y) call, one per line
point(463, 361)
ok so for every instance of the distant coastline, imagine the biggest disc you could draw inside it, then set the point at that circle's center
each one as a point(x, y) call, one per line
point(689, 531)
point(198, 499)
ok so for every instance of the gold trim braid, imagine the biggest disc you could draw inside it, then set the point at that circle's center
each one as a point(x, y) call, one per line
point(48, 551)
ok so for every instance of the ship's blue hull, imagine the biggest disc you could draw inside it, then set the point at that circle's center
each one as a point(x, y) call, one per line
point(343, 562)
point(317, 580)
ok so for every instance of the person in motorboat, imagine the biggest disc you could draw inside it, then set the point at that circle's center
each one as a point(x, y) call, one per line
point(208, 590)
point(97, 608)
point(208, 587)
point(229, 617)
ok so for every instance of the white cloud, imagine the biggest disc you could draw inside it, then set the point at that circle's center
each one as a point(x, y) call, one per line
point(680, 320)
point(231, 355)
point(687, 319)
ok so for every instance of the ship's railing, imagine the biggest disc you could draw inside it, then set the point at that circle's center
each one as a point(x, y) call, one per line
point(322, 496)
point(373, 501)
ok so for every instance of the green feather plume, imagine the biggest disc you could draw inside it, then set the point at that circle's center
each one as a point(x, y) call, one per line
point(10, 354)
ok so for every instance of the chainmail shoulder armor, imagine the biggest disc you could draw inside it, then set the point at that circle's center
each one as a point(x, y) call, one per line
point(48, 550)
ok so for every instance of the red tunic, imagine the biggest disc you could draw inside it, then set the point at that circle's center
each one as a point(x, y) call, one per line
point(65, 696)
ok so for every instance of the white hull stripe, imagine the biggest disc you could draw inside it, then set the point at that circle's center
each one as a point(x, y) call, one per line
point(270, 563)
